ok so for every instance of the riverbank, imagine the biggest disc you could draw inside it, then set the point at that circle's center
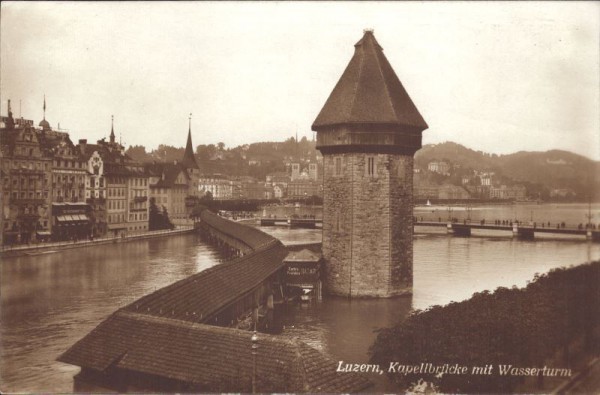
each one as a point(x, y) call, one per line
point(49, 248)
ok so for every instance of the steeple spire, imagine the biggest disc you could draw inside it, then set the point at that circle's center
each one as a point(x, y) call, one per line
point(43, 123)
point(112, 128)
point(189, 160)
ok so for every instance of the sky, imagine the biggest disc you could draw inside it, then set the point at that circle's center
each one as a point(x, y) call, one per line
point(500, 77)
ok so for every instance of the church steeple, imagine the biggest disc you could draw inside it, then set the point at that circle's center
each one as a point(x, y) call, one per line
point(112, 128)
point(189, 160)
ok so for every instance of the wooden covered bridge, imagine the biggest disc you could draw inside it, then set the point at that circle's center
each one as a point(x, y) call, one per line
point(182, 337)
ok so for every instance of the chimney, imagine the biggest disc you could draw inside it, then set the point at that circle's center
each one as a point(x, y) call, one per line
point(82, 144)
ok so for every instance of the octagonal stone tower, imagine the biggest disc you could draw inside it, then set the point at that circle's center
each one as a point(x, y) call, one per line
point(368, 131)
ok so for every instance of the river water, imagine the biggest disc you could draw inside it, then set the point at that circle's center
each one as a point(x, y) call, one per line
point(50, 301)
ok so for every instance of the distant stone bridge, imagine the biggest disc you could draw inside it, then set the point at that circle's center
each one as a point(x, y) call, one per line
point(521, 231)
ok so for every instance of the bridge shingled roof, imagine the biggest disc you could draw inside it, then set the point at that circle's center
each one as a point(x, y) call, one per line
point(203, 294)
point(249, 235)
point(208, 357)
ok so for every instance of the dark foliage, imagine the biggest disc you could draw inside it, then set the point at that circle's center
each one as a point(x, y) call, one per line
point(520, 327)
point(158, 218)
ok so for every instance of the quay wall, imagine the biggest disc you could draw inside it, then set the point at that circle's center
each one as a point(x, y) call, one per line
point(44, 248)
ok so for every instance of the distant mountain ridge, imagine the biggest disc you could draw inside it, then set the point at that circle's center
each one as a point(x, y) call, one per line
point(554, 169)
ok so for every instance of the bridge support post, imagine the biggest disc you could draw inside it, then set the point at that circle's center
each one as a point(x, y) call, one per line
point(461, 230)
point(526, 233)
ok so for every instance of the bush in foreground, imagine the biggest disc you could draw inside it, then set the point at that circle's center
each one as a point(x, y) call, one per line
point(519, 327)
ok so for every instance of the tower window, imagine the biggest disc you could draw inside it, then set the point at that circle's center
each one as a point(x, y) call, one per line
point(337, 171)
point(371, 168)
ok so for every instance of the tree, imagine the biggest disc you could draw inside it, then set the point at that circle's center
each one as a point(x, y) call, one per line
point(138, 153)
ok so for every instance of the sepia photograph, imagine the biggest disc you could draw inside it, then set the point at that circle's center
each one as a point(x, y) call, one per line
point(300, 197)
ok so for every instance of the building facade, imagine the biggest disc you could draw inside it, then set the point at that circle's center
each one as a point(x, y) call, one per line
point(26, 170)
point(368, 132)
point(219, 186)
point(168, 188)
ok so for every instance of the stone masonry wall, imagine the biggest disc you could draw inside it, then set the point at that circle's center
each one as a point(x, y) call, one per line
point(367, 225)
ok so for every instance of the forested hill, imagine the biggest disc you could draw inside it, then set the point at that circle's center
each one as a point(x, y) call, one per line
point(553, 169)
point(548, 170)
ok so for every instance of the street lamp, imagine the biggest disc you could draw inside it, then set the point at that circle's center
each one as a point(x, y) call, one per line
point(254, 340)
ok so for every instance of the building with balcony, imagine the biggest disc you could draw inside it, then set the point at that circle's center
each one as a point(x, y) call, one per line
point(26, 169)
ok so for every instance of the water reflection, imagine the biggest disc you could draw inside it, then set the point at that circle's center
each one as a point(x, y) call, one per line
point(52, 300)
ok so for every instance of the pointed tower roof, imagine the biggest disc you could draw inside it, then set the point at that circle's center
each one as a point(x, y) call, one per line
point(112, 129)
point(189, 160)
point(369, 92)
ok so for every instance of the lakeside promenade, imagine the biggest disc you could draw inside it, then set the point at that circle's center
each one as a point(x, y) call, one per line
point(51, 247)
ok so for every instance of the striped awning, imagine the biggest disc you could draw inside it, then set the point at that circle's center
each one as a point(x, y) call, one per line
point(73, 218)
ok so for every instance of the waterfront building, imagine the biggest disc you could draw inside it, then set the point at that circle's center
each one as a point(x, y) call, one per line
point(304, 188)
point(68, 167)
point(117, 188)
point(169, 186)
point(138, 190)
point(26, 183)
point(116, 176)
point(95, 186)
point(219, 186)
point(71, 221)
point(368, 131)
point(70, 212)
point(517, 192)
point(440, 167)
point(250, 188)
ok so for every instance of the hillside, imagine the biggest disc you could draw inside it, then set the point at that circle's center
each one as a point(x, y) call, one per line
point(555, 169)
point(540, 172)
